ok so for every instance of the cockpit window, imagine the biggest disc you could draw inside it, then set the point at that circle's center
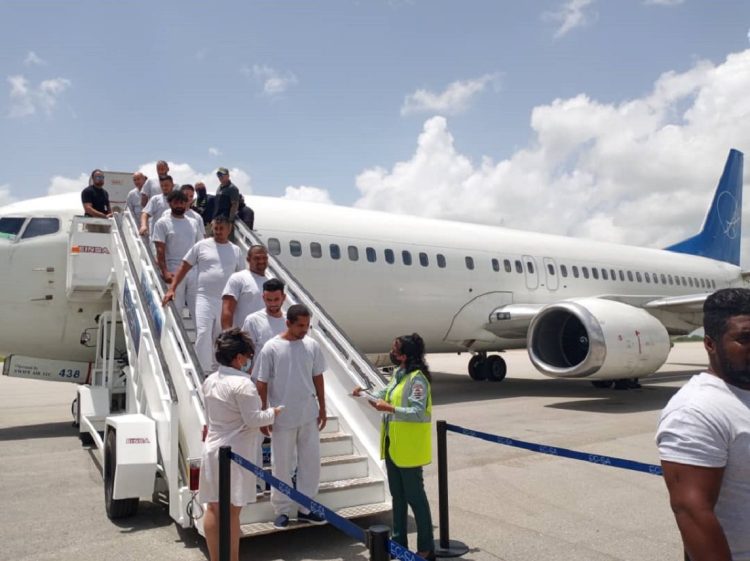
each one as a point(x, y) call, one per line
point(41, 227)
point(10, 226)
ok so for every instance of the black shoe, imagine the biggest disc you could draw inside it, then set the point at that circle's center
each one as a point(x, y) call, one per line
point(311, 518)
point(281, 522)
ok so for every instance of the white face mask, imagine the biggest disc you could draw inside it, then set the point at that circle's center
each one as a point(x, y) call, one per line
point(248, 366)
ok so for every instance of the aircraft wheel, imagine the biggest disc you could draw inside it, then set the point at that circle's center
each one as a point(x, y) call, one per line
point(496, 368)
point(477, 369)
point(116, 508)
point(602, 384)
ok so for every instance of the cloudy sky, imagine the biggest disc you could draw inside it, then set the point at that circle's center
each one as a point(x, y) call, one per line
point(607, 120)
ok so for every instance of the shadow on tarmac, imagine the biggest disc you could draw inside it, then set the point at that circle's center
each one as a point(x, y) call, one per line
point(43, 430)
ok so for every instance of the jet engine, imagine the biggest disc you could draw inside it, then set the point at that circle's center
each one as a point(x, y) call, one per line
point(597, 339)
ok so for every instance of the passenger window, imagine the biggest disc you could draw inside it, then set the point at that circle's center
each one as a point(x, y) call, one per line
point(684, 281)
point(506, 264)
point(638, 276)
point(622, 276)
point(295, 248)
point(655, 277)
point(630, 276)
point(335, 251)
point(690, 281)
point(495, 265)
point(353, 253)
point(469, 263)
point(389, 257)
point(406, 257)
point(519, 267)
point(663, 279)
point(605, 275)
point(315, 250)
point(41, 227)
point(671, 280)
point(575, 271)
point(371, 255)
point(677, 280)
point(423, 259)
point(530, 267)
point(274, 246)
point(441, 260)
point(647, 277)
point(595, 272)
point(585, 271)
point(713, 283)
point(703, 283)
point(614, 275)
point(563, 270)
point(550, 269)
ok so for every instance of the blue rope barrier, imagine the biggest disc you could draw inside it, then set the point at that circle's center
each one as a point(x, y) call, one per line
point(562, 452)
point(339, 522)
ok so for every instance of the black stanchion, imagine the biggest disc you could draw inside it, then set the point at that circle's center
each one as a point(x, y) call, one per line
point(377, 542)
point(225, 462)
point(445, 547)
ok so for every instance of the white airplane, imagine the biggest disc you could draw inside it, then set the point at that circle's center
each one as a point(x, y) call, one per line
point(584, 309)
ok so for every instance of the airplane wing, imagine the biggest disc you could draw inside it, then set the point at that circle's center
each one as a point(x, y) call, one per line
point(689, 304)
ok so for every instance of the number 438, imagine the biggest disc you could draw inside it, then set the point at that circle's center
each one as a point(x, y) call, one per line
point(69, 373)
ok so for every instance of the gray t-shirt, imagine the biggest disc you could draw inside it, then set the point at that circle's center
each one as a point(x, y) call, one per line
point(707, 423)
point(247, 289)
point(178, 235)
point(215, 262)
point(151, 188)
point(155, 207)
point(288, 367)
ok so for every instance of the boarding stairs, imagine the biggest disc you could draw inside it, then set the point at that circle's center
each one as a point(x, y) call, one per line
point(154, 388)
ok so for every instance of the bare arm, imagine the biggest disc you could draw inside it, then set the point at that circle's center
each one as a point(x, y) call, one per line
point(161, 259)
point(89, 209)
point(320, 391)
point(144, 199)
point(179, 275)
point(693, 492)
point(144, 224)
point(228, 305)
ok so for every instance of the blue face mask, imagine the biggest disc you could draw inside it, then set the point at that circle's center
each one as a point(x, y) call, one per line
point(248, 366)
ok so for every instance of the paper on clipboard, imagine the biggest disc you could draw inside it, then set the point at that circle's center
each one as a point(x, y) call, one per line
point(368, 396)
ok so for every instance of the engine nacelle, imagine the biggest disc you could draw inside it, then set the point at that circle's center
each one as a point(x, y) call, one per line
point(598, 339)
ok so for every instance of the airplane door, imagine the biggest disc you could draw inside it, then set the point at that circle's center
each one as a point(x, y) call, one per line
point(551, 273)
point(531, 272)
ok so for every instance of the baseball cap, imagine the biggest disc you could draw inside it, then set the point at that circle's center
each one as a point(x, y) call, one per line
point(222, 171)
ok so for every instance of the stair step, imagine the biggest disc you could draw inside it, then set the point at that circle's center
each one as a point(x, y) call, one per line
point(335, 468)
point(259, 528)
point(335, 444)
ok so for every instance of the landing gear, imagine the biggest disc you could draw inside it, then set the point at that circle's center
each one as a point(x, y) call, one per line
point(602, 384)
point(621, 384)
point(483, 367)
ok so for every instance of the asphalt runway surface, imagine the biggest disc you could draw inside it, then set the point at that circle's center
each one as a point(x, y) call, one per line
point(505, 503)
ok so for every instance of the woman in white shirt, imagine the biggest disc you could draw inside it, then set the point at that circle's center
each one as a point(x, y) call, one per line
point(234, 414)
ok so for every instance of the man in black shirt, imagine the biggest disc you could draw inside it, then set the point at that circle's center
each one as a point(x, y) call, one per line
point(95, 198)
point(229, 201)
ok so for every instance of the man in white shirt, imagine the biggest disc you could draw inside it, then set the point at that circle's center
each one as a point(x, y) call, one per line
point(189, 212)
point(133, 200)
point(243, 293)
point(152, 188)
point(704, 438)
point(215, 260)
point(174, 235)
point(290, 372)
point(156, 206)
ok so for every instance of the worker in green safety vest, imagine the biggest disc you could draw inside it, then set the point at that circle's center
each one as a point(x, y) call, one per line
point(405, 439)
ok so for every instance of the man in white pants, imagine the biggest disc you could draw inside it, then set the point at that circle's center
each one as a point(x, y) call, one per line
point(174, 235)
point(243, 293)
point(290, 371)
point(215, 259)
point(263, 326)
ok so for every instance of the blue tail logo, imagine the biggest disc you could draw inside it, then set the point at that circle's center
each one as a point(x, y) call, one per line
point(721, 233)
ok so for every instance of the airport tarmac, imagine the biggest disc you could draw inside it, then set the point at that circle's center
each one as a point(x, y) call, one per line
point(505, 503)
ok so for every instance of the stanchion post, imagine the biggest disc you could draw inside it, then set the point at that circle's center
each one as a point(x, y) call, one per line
point(377, 541)
point(445, 547)
point(225, 463)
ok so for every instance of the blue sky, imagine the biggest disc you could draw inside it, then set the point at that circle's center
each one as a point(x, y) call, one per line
point(371, 103)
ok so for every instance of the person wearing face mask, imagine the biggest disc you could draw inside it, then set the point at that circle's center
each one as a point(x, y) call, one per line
point(704, 438)
point(405, 439)
point(234, 417)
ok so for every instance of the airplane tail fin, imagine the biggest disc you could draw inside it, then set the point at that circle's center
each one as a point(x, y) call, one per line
point(720, 235)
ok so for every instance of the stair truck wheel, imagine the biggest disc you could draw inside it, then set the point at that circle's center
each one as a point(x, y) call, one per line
point(116, 508)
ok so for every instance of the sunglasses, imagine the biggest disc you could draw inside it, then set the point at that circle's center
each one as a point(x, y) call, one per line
point(221, 174)
point(98, 176)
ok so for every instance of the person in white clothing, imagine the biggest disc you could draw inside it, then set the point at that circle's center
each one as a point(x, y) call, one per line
point(243, 293)
point(152, 188)
point(156, 206)
point(189, 191)
point(133, 200)
point(215, 259)
point(290, 372)
point(261, 326)
point(174, 235)
point(233, 413)
point(704, 438)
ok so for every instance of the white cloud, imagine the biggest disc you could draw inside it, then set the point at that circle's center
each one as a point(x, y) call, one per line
point(663, 2)
point(570, 15)
point(454, 99)
point(308, 194)
point(27, 100)
point(641, 171)
point(60, 184)
point(274, 81)
point(214, 151)
point(33, 59)
point(5, 197)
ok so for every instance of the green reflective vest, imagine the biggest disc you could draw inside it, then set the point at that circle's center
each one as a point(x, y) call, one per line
point(410, 441)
